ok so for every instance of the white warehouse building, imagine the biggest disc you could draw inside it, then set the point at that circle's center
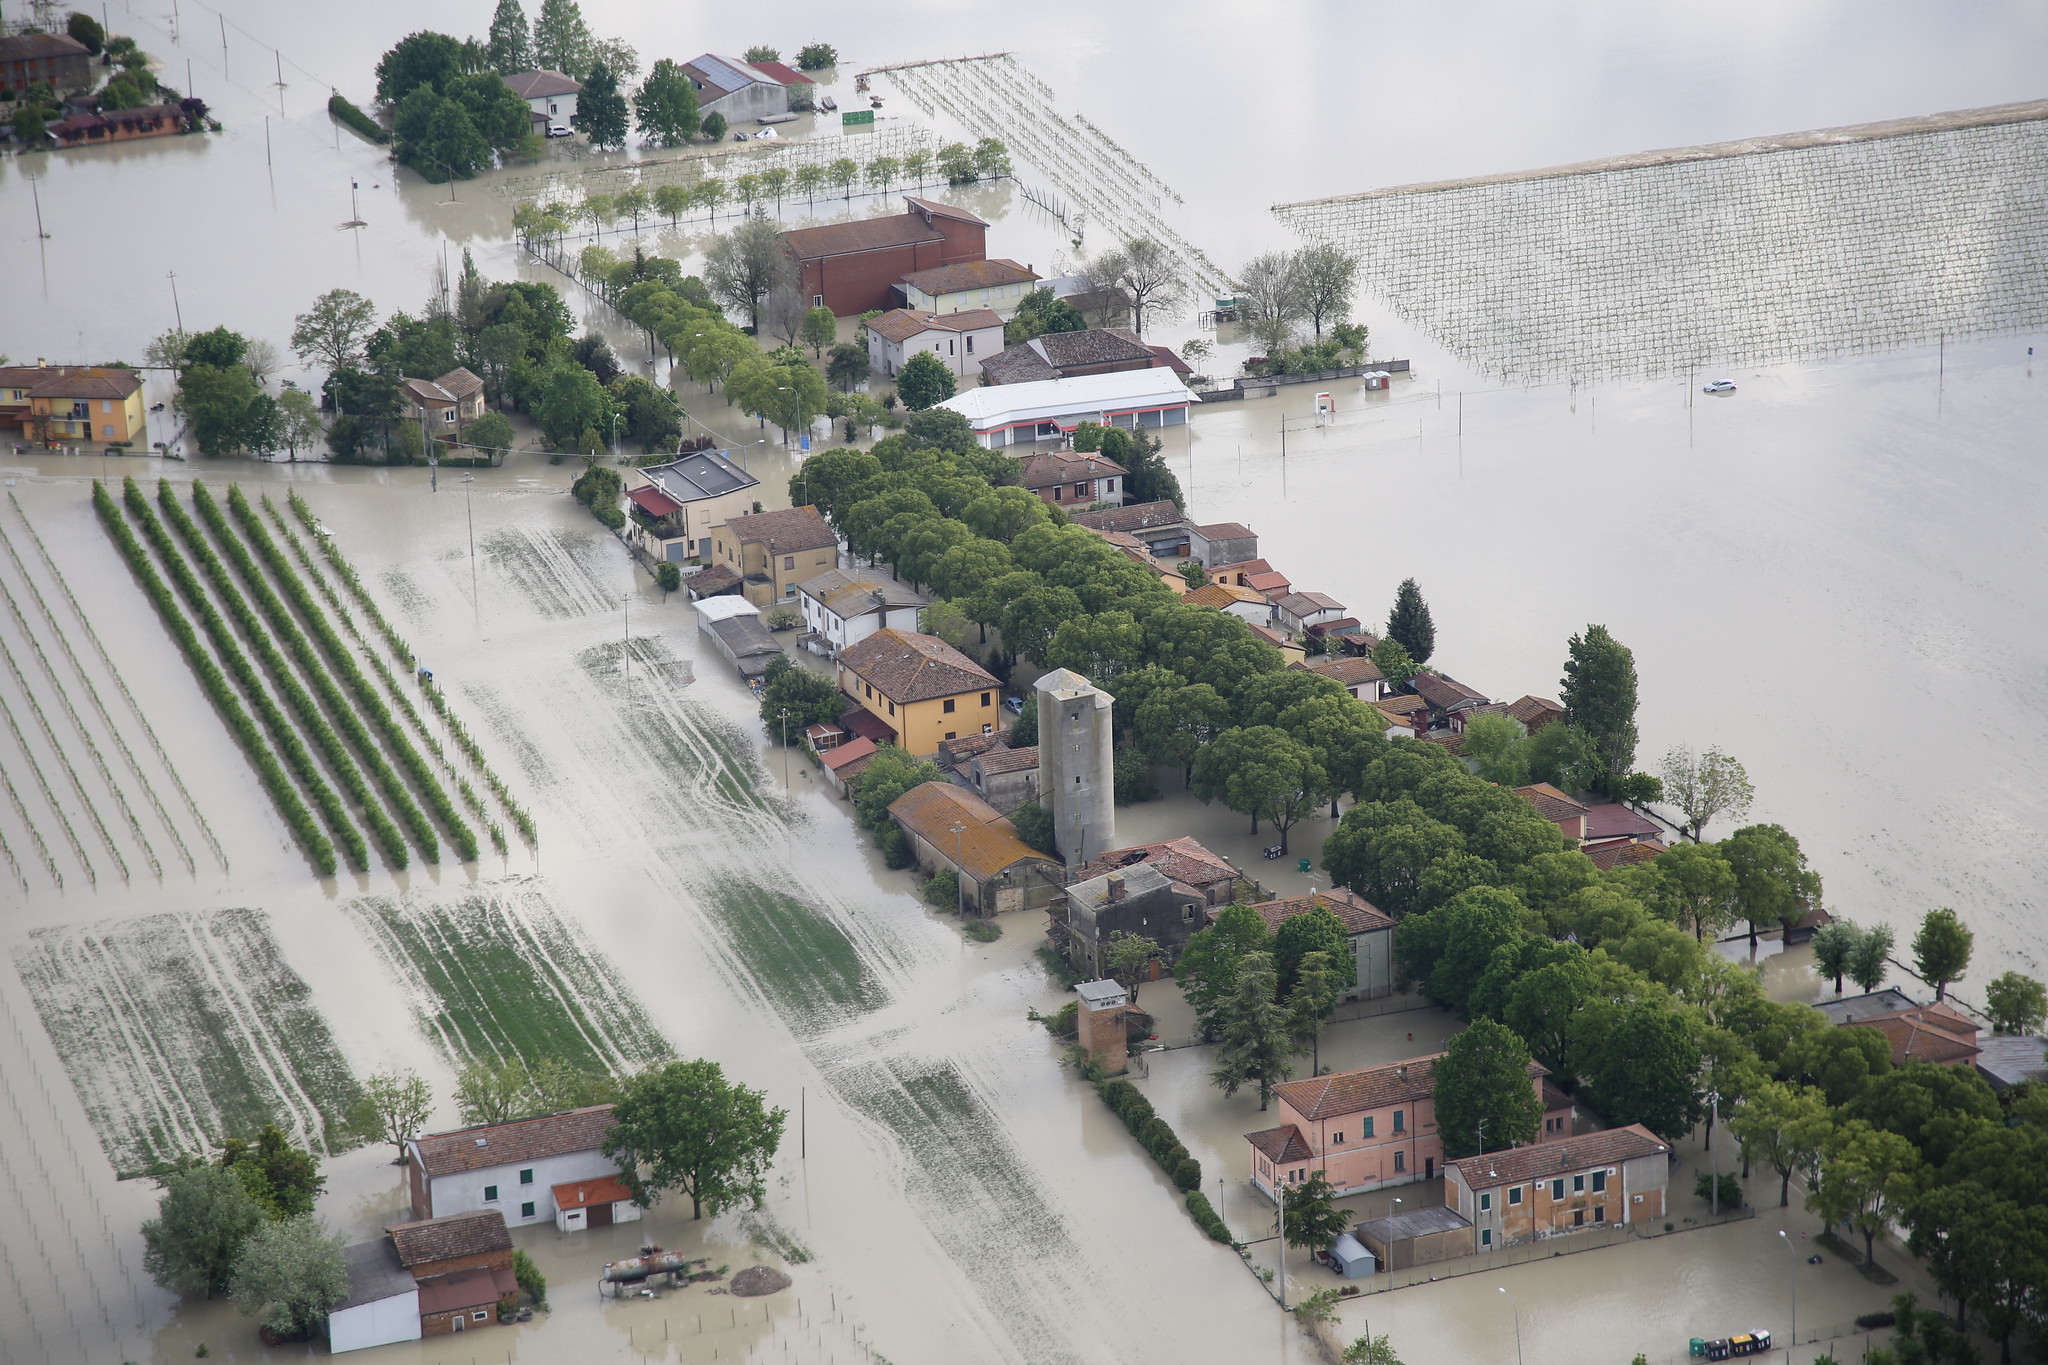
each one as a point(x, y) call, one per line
point(1047, 409)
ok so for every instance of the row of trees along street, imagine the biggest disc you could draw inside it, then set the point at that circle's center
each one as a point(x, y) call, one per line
point(241, 1223)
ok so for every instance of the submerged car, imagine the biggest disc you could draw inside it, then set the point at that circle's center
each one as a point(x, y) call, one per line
point(764, 134)
point(1720, 386)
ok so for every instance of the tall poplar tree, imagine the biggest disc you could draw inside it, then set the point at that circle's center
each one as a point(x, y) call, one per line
point(601, 109)
point(561, 40)
point(1257, 1032)
point(1600, 698)
point(511, 42)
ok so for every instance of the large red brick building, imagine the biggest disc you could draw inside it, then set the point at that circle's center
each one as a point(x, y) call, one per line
point(852, 267)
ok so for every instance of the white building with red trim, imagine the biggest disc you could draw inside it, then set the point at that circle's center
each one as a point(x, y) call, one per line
point(1049, 409)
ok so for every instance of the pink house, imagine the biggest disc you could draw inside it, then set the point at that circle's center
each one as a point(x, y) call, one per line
point(1371, 1127)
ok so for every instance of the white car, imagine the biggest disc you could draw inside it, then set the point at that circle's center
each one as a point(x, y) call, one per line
point(1720, 386)
point(559, 130)
point(765, 135)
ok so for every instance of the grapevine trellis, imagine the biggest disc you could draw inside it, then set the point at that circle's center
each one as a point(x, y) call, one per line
point(997, 97)
point(1742, 256)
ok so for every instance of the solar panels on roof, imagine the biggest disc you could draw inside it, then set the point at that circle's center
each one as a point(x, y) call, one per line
point(728, 74)
point(701, 474)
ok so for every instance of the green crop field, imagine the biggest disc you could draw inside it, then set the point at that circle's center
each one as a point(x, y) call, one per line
point(803, 962)
point(181, 1030)
point(499, 974)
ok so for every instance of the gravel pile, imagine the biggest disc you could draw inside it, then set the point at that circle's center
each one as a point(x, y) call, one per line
point(757, 1280)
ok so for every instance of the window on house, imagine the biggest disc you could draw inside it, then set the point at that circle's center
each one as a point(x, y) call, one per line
point(970, 345)
point(955, 734)
point(817, 300)
point(1187, 916)
point(1557, 1189)
point(948, 707)
point(984, 699)
point(1056, 491)
point(1080, 490)
point(1578, 1184)
point(490, 1194)
point(1340, 1135)
point(1599, 1182)
point(1400, 1120)
point(1485, 1201)
point(1368, 1125)
point(526, 1209)
point(1515, 1195)
point(1486, 1237)
point(789, 591)
point(988, 729)
point(789, 561)
point(869, 690)
point(105, 406)
point(1400, 1161)
point(526, 1176)
point(1599, 1215)
point(1578, 1218)
point(480, 1315)
point(109, 429)
point(892, 708)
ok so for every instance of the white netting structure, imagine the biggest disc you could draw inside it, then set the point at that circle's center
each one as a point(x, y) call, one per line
point(1105, 186)
point(1745, 258)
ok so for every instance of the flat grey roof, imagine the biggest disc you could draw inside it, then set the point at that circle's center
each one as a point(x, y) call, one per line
point(374, 1273)
point(699, 475)
point(1420, 1223)
point(1873, 1006)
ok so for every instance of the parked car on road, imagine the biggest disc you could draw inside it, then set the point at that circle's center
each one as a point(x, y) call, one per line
point(1720, 386)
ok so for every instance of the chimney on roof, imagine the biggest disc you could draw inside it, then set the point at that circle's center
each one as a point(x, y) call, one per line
point(1116, 887)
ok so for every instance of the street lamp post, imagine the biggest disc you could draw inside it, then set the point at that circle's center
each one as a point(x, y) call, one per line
point(959, 885)
point(1793, 1283)
point(1517, 1310)
point(615, 436)
point(1714, 1194)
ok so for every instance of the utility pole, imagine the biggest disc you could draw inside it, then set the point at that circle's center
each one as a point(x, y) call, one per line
point(469, 511)
point(783, 714)
point(1280, 1202)
point(37, 192)
point(1714, 1196)
point(959, 885)
point(1517, 1310)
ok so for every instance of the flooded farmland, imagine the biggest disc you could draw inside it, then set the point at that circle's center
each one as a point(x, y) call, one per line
point(1810, 574)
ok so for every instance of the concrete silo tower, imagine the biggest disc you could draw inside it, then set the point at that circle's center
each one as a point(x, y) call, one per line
point(1077, 764)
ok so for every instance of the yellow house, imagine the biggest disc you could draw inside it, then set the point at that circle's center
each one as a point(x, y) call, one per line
point(997, 285)
point(921, 688)
point(772, 552)
point(101, 404)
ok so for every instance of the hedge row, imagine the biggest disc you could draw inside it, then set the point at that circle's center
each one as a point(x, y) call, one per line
point(317, 845)
point(1206, 1219)
point(387, 835)
point(1152, 1132)
point(356, 119)
point(365, 695)
point(289, 747)
point(401, 650)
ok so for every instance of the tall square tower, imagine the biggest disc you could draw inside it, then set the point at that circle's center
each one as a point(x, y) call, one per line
point(1077, 764)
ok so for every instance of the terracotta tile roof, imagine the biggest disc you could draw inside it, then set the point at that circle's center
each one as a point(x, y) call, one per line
point(949, 279)
point(1165, 356)
point(89, 381)
point(1090, 346)
point(956, 752)
point(987, 843)
point(1224, 530)
point(580, 1194)
point(1554, 1098)
point(966, 320)
point(501, 1144)
point(1273, 584)
point(449, 1236)
point(1017, 365)
point(1243, 568)
point(460, 382)
point(426, 391)
point(1061, 466)
point(1445, 693)
point(899, 324)
point(1612, 820)
point(719, 578)
point(1549, 802)
point(1007, 760)
point(470, 1289)
point(865, 723)
point(1535, 712)
point(868, 234)
point(1934, 1032)
point(1545, 1160)
point(846, 760)
point(1349, 672)
point(1624, 853)
point(1223, 596)
point(1275, 638)
point(938, 210)
point(1340, 626)
point(1447, 739)
point(791, 528)
point(1402, 706)
point(1371, 1087)
point(906, 667)
point(22, 47)
point(1357, 914)
point(1281, 1145)
point(781, 74)
point(536, 85)
point(1182, 860)
point(1137, 517)
point(1308, 603)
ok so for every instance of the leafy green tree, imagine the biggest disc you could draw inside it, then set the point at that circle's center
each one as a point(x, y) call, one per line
point(991, 159)
point(1370, 1350)
point(1313, 1216)
point(1327, 276)
point(1035, 827)
point(499, 115)
point(924, 381)
point(1450, 948)
point(666, 106)
point(1870, 961)
point(1941, 950)
point(713, 128)
point(761, 52)
point(1564, 756)
point(395, 1105)
point(1643, 1066)
point(2015, 1004)
point(1259, 771)
point(571, 400)
point(685, 1127)
point(848, 365)
point(889, 774)
point(1701, 886)
point(1704, 786)
point(746, 265)
point(809, 698)
point(562, 40)
point(1256, 1032)
point(1038, 313)
point(491, 1091)
point(437, 137)
point(1394, 662)
point(511, 40)
point(490, 433)
point(429, 59)
point(203, 1219)
point(1208, 966)
point(1313, 998)
point(1498, 749)
point(1482, 1083)
point(85, 29)
point(821, 329)
point(219, 348)
point(1936, 1108)
point(1773, 884)
point(1777, 1125)
point(1985, 1252)
point(291, 1273)
point(600, 108)
point(1382, 850)
point(1834, 944)
point(1867, 1178)
point(218, 400)
point(1600, 698)
point(1127, 957)
point(1841, 1061)
point(290, 1176)
point(1314, 930)
point(1409, 623)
